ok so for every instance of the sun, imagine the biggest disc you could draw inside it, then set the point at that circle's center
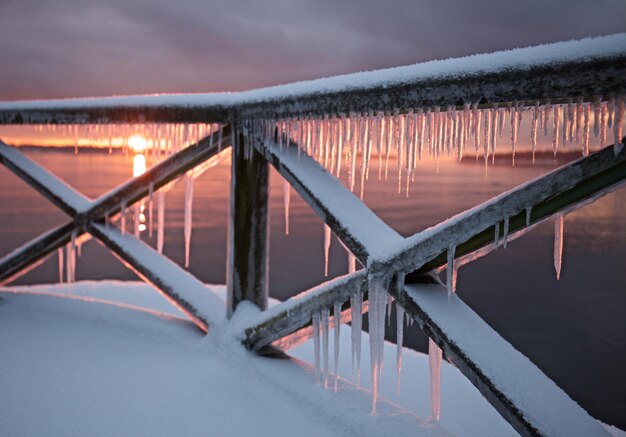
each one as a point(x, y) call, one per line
point(137, 143)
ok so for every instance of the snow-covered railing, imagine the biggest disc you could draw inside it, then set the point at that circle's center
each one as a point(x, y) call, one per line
point(586, 69)
point(435, 108)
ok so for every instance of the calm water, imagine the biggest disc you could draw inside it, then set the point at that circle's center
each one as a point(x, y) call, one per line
point(573, 329)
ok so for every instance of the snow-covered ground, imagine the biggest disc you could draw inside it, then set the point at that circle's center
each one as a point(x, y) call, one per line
point(115, 358)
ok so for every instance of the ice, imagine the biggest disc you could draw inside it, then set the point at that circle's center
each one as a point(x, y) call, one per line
point(496, 240)
point(60, 256)
point(399, 341)
point(434, 361)
point(325, 344)
point(476, 126)
point(528, 212)
point(160, 220)
point(597, 110)
point(353, 153)
point(389, 307)
point(558, 244)
point(316, 343)
point(365, 151)
point(514, 126)
point(123, 217)
point(494, 122)
point(451, 271)
point(70, 259)
point(556, 121)
point(188, 214)
point(327, 240)
point(617, 125)
point(337, 332)
point(585, 144)
point(376, 318)
point(546, 118)
point(506, 231)
point(356, 304)
point(136, 212)
point(287, 202)
point(578, 118)
point(611, 107)
point(603, 123)
point(487, 137)
point(150, 207)
point(533, 130)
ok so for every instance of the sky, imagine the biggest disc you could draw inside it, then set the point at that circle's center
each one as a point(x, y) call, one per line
point(78, 48)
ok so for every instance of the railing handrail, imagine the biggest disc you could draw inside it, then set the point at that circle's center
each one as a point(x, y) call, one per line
point(586, 69)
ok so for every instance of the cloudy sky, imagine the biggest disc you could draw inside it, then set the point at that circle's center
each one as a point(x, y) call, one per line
point(70, 48)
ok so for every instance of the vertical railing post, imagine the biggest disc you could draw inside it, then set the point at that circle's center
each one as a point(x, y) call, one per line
point(248, 236)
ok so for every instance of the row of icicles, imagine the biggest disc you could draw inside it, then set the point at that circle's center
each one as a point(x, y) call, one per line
point(336, 141)
point(152, 143)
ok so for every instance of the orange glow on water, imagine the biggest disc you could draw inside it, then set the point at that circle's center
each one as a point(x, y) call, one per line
point(138, 143)
point(139, 165)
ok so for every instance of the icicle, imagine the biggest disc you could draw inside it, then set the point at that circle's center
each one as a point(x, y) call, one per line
point(287, 202)
point(546, 118)
point(568, 125)
point(603, 124)
point(617, 125)
point(497, 236)
point(70, 259)
point(578, 118)
point(558, 244)
point(123, 217)
point(503, 112)
point(337, 332)
point(160, 220)
point(434, 361)
point(150, 207)
point(136, 219)
point(354, 151)
point(506, 231)
point(533, 130)
point(326, 248)
point(487, 138)
point(597, 110)
point(356, 304)
point(514, 125)
point(390, 137)
point(60, 255)
point(399, 341)
point(188, 215)
point(316, 344)
point(555, 137)
point(325, 328)
point(528, 211)
point(451, 271)
point(494, 122)
point(586, 115)
point(389, 307)
point(376, 317)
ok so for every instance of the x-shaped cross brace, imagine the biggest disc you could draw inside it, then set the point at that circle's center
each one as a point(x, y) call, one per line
point(180, 287)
